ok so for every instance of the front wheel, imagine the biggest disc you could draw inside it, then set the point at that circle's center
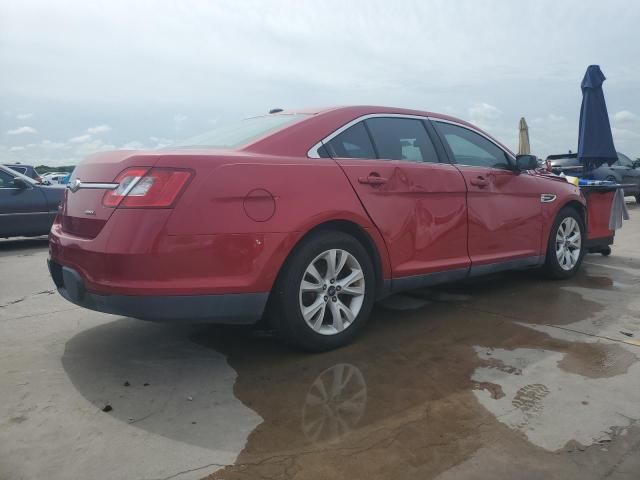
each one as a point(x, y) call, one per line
point(324, 293)
point(565, 249)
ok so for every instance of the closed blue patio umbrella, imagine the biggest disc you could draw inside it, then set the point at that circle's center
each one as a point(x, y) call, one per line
point(595, 142)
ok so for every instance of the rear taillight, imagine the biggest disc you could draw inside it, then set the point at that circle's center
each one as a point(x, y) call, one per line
point(142, 187)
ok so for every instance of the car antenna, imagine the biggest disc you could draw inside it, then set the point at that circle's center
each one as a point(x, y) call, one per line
point(275, 110)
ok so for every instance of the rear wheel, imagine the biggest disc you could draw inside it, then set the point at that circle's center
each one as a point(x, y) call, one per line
point(565, 249)
point(324, 293)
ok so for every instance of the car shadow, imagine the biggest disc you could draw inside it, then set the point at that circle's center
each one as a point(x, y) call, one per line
point(23, 243)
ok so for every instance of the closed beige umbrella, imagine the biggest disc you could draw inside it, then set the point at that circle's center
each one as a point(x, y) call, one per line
point(523, 145)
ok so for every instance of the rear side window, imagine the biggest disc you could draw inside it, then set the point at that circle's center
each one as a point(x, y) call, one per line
point(354, 142)
point(402, 139)
point(22, 170)
point(471, 148)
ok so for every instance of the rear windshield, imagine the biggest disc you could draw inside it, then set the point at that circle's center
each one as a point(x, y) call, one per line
point(233, 135)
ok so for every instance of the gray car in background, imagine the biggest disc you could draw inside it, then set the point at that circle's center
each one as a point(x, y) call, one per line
point(624, 171)
point(27, 208)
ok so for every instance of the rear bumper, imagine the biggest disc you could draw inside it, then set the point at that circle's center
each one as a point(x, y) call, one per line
point(230, 308)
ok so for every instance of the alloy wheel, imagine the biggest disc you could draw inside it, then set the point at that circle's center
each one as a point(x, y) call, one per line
point(332, 291)
point(568, 243)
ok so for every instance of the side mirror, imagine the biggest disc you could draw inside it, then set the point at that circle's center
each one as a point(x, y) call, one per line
point(526, 162)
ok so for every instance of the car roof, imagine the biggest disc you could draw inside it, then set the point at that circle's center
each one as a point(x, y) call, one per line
point(297, 138)
point(359, 110)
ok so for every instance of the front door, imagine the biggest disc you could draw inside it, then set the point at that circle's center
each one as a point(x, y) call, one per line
point(23, 209)
point(417, 203)
point(505, 210)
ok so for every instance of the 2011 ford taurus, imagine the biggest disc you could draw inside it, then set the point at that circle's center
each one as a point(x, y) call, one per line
point(308, 216)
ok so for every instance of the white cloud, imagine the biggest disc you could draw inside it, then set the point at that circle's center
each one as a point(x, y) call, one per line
point(99, 129)
point(16, 149)
point(624, 134)
point(24, 116)
point(54, 145)
point(134, 145)
point(625, 116)
point(21, 130)
point(484, 111)
point(80, 139)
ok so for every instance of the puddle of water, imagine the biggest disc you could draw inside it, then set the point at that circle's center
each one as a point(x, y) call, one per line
point(553, 405)
point(597, 360)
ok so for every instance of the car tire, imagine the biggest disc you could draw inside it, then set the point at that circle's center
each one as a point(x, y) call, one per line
point(306, 309)
point(561, 258)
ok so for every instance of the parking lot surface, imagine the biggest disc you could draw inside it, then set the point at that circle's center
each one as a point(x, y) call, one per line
point(510, 376)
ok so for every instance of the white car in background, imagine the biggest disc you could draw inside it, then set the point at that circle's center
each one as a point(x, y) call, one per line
point(54, 177)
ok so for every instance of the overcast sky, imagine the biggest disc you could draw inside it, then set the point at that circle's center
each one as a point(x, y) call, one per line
point(80, 76)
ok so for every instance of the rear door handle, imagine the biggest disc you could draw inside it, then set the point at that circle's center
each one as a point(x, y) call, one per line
point(372, 180)
point(479, 181)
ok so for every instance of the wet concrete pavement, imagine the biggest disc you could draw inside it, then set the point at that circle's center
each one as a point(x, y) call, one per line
point(510, 376)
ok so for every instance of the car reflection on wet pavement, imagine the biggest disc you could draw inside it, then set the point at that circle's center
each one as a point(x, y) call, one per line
point(505, 377)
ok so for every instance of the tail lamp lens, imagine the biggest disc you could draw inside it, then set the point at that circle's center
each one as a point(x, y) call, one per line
point(147, 188)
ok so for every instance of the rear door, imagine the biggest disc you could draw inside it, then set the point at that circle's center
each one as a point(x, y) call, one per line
point(417, 203)
point(505, 209)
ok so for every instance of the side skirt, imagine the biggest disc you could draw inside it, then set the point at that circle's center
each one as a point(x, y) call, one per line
point(447, 276)
point(516, 264)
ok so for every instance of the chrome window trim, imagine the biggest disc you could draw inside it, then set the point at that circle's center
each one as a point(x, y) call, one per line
point(48, 212)
point(313, 151)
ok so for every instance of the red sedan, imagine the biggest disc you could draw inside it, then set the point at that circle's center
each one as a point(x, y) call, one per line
point(308, 216)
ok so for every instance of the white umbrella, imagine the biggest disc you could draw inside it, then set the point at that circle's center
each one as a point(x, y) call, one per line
point(523, 145)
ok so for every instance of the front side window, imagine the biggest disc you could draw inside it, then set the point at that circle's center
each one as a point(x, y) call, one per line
point(354, 142)
point(471, 148)
point(402, 139)
point(6, 180)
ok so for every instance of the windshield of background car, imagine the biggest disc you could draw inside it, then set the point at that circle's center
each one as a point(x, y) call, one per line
point(234, 135)
point(624, 161)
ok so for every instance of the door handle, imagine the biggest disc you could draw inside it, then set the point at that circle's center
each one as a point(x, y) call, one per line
point(372, 179)
point(479, 181)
